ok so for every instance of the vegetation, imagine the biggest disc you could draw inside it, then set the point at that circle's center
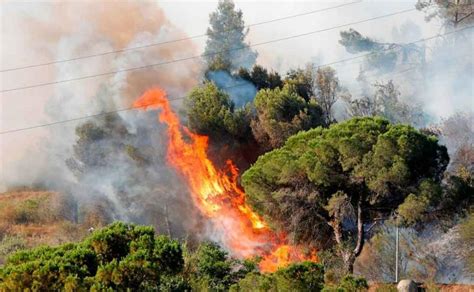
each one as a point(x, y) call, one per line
point(131, 257)
point(282, 113)
point(225, 47)
point(210, 111)
point(325, 181)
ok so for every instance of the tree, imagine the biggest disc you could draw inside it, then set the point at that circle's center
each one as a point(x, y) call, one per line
point(385, 102)
point(303, 81)
point(337, 180)
point(457, 132)
point(452, 12)
point(282, 113)
point(327, 91)
point(225, 47)
point(260, 77)
point(382, 57)
point(210, 111)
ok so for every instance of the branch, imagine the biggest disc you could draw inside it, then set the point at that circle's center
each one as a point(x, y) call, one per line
point(360, 229)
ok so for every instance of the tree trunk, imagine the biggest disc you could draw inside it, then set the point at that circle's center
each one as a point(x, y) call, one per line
point(349, 256)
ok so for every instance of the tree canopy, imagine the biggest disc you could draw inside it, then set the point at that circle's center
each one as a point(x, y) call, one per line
point(226, 48)
point(211, 111)
point(333, 181)
point(281, 113)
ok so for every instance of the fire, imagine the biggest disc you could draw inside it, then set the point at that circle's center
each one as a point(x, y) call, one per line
point(216, 192)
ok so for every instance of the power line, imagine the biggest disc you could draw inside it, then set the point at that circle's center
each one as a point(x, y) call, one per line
point(223, 88)
point(100, 114)
point(209, 54)
point(176, 40)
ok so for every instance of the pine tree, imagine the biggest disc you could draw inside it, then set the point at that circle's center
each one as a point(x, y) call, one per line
point(226, 48)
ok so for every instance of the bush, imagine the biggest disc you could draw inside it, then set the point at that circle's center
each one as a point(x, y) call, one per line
point(349, 284)
point(119, 257)
point(10, 244)
point(305, 276)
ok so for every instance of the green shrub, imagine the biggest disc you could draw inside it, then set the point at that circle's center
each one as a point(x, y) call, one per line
point(118, 257)
point(301, 277)
point(348, 284)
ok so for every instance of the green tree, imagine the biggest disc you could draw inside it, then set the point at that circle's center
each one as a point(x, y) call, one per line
point(260, 77)
point(211, 111)
point(282, 113)
point(336, 180)
point(226, 48)
point(302, 80)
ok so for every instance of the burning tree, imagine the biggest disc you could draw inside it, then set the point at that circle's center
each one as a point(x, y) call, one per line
point(337, 180)
point(216, 192)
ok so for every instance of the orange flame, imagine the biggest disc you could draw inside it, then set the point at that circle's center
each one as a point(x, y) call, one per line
point(216, 192)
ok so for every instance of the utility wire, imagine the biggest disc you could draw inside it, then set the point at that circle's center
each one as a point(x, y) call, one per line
point(176, 40)
point(223, 88)
point(209, 54)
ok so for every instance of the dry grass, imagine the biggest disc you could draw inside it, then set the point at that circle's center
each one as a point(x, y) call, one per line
point(37, 218)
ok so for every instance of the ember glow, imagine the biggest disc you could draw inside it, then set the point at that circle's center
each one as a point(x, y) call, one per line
point(217, 194)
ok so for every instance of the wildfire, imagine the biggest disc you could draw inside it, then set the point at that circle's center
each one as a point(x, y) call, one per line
point(216, 192)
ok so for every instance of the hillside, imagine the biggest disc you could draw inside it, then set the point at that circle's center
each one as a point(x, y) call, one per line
point(29, 218)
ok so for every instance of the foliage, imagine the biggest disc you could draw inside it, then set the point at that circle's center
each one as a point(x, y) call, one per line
point(119, 257)
point(10, 244)
point(348, 284)
point(466, 231)
point(453, 13)
point(282, 113)
point(260, 77)
point(382, 57)
point(319, 83)
point(98, 144)
point(385, 102)
point(210, 111)
point(367, 161)
point(302, 80)
point(327, 91)
point(305, 276)
point(225, 47)
point(211, 269)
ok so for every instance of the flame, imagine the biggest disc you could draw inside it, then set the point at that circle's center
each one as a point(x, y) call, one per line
point(216, 192)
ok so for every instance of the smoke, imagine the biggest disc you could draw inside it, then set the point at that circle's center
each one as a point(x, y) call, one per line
point(55, 157)
point(240, 91)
